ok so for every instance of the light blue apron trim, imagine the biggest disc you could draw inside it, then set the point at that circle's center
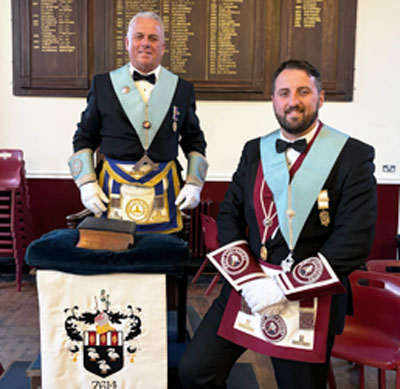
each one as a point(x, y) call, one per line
point(134, 106)
point(308, 180)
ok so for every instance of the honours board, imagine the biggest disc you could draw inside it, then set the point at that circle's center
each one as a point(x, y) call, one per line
point(227, 48)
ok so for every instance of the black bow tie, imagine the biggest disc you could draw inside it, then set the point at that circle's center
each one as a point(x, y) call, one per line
point(149, 77)
point(299, 145)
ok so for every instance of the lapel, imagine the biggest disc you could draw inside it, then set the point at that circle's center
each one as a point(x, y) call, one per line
point(134, 106)
point(308, 180)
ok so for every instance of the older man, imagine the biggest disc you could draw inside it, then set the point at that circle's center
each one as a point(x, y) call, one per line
point(303, 198)
point(137, 116)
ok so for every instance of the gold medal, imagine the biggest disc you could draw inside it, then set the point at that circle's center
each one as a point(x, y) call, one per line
point(323, 206)
point(263, 253)
point(324, 218)
point(126, 90)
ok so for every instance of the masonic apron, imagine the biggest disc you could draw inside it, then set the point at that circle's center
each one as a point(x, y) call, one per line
point(143, 191)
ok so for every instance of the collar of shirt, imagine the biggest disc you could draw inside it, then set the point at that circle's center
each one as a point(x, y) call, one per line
point(143, 86)
point(156, 71)
point(291, 154)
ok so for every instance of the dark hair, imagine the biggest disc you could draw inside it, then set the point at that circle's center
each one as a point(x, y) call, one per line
point(304, 65)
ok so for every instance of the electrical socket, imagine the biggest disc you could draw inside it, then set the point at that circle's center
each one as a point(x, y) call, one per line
point(389, 168)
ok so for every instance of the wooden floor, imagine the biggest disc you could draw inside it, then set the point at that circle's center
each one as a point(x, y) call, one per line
point(19, 335)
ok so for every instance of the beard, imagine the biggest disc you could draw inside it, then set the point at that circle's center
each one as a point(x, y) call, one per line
point(299, 126)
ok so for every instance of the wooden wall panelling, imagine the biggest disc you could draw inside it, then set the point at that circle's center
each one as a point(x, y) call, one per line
point(228, 49)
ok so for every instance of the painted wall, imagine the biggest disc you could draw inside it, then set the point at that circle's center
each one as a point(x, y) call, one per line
point(43, 127)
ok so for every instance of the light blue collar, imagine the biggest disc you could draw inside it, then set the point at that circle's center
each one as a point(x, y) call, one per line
point(308, 180)
point(134, 106)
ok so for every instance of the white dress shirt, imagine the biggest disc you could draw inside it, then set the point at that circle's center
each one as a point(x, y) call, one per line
point(144, 87)
point(292, 154)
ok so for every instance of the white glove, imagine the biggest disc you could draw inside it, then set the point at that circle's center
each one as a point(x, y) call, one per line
point(264, 296)
point(93, 197)
point(188, 197)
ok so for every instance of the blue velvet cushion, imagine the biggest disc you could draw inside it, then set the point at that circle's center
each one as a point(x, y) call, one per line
point(152, 253)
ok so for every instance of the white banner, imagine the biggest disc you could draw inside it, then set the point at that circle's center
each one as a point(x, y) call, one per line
point(102, 331)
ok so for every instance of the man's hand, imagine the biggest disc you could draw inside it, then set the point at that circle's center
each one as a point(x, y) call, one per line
point(188, 197)
point(93, 197)
point(264, 296)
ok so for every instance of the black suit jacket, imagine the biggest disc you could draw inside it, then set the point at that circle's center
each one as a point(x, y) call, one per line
point(105, 124)
point(345, 242)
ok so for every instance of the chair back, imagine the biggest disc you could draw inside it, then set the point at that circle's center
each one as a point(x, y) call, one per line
point(11, 168)
point(384, 265)
point(210, 230)
point(376, 300)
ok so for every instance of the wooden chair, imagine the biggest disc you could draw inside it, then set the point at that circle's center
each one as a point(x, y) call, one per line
point(372, 336)
point(384, 265)
point(16, 230)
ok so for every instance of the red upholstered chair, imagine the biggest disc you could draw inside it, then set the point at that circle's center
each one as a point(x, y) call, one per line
point(384, 265)
point(210, 231)
point(372, 336)
point(15, 217)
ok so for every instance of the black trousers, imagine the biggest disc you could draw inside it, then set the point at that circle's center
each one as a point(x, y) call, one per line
point(209, 358)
